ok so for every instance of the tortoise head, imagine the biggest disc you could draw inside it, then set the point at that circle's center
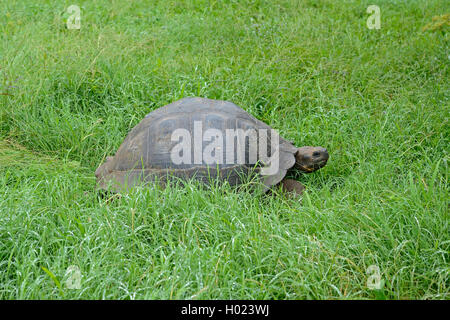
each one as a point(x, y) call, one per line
point(104, 169)
point(309, 159)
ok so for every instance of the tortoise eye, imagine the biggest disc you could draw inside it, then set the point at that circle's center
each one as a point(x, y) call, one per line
point(316, 153)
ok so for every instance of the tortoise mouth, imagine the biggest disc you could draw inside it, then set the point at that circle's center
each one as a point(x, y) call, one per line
point(313, 167)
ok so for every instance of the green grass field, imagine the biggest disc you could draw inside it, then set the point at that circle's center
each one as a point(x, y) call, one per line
point(378, 100)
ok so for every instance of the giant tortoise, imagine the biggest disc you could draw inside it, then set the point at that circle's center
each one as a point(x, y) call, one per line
point(204, 139)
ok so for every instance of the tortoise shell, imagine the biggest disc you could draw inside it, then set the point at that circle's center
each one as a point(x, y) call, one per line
point(148, 150)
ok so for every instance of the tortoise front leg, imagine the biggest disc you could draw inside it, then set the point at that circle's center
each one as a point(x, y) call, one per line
point(292, 186)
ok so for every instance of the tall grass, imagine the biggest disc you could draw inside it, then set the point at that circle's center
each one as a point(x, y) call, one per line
point(378, 100)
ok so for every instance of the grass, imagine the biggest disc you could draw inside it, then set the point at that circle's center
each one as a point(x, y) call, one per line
point(378, 100)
